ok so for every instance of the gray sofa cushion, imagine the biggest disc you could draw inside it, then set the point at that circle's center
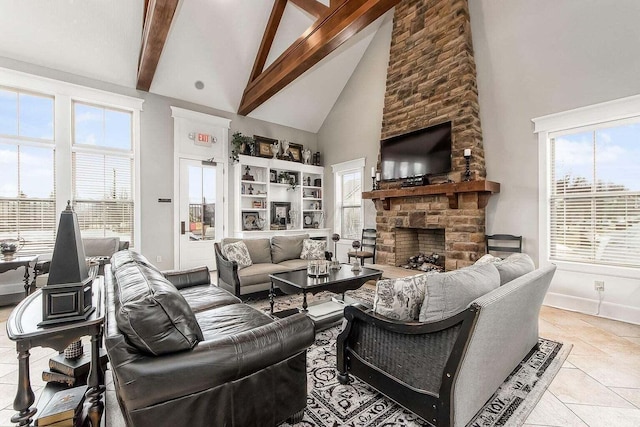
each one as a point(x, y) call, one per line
point(294, 264)
point(152, 313)
point(286, 247)
point(514, 266)
point(101, 246)
point(450, 293)
point(259, 249)
point(259, 273)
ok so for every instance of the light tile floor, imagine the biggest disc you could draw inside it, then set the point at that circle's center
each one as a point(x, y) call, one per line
point(599, 384)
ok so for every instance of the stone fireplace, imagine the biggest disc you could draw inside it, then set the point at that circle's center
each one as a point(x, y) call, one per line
point(431, 79)
point(410, 242)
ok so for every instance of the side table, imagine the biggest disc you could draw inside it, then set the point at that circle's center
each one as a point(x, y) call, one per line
point(17, 262)
point(22, 327)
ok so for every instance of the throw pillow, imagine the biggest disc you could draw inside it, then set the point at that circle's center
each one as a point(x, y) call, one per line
point(400, 299)
point(514, 266)
point(450, 293)
point(237, 252)
point(312, 249)
point(485, 259)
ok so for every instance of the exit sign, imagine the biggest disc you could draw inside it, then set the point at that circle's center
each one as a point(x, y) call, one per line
point(203, 137)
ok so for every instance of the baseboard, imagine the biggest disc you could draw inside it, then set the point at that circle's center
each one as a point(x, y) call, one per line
point(608, 310)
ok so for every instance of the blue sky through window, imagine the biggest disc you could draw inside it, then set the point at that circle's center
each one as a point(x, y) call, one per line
point(102, 127)
point(609, 159)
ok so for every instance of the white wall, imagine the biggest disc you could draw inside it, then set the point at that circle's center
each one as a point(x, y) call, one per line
point(533, 60)
point(156, 154)
point(352, 128)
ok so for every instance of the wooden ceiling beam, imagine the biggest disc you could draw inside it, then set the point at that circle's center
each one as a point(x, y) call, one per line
point(312, 7)
point(323, 37)
point(267, 38)
point(157, 22)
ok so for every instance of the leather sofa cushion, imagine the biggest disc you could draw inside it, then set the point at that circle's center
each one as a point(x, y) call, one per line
point(188, 278)
point(259, 273)
point(204, 297)
point(259, 249)
point(152, 314)
point(230, 320)
point(450, 293)
point(127, 257)
point(286, 247)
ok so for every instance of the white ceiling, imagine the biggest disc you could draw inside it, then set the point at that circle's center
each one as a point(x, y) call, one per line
point(213, 41)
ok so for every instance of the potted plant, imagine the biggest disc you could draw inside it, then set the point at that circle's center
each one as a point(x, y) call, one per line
point(242, 144)
point(286, 178)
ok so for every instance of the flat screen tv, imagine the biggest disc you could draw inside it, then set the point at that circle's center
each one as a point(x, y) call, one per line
point(422, 152)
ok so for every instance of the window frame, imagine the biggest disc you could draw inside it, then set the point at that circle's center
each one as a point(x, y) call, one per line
point(553, 126)
point(65, 94)
point(20, 142)
point(339, 170)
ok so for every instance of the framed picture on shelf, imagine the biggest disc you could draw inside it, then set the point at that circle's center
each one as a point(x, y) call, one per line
point(280, 212)
point(263, 145)
point(273, 175)
point(250, 221)
point(296, 152)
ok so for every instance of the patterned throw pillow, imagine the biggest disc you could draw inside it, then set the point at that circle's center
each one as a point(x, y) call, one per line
point(400, 299)
point(239, 253)
point(312, 249)
point(486, 259)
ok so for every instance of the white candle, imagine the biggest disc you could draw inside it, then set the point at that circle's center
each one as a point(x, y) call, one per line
point(467, 152)
point(377, 176)
point(373, 171)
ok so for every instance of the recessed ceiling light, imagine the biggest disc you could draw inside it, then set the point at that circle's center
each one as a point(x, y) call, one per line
point(199, 85)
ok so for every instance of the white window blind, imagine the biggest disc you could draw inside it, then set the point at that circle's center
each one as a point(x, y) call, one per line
point(27, 189)
point(103, 172)
point(594, 206)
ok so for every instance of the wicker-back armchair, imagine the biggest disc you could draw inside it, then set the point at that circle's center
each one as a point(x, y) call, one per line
point(444, 371)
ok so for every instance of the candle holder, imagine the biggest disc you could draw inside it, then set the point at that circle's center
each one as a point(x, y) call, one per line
point(467, 172)
point(374, 184)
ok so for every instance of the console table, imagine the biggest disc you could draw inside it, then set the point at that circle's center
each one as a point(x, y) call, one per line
point(17, 262)
point(22, 327)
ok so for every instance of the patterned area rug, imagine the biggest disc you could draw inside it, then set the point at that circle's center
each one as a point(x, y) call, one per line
point(330, 404)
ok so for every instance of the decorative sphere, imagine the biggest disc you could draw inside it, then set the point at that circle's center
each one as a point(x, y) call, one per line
point(355, 244)
point(335, 237)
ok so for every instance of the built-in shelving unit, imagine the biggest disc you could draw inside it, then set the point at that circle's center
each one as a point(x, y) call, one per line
point(273, 196)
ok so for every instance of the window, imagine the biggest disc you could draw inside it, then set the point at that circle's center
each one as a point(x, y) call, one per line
point(594, 194)
point(102, 170)
point(27, 189)
point(60, 142)
point(348, 198)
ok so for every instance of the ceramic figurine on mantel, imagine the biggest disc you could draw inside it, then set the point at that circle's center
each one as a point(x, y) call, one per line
point(275, 149)
point(306, 156)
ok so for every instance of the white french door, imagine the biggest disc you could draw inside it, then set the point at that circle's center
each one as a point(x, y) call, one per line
point(201, 212)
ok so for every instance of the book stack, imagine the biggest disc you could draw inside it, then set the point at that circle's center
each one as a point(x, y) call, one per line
point(71, 372)
point(63, 409)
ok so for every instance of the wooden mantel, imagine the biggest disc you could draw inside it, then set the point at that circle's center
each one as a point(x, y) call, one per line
point(451, 190)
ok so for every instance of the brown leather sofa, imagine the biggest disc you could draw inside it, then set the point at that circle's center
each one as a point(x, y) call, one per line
point(186, 353)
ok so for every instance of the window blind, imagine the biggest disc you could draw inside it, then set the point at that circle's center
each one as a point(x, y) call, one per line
point(594, 206)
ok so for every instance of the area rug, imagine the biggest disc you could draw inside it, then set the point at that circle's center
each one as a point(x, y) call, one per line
point(331, 404)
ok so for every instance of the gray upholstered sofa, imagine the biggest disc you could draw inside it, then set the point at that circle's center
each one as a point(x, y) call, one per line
point(445, 369)
point(268, 256)
point(186, 353)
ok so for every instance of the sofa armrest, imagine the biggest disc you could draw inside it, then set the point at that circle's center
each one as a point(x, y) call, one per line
point(401, 350)
point(187, 278)
point(227, 271)
point(145, 381)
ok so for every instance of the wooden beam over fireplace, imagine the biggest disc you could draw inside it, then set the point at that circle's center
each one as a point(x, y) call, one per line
point(451, 190)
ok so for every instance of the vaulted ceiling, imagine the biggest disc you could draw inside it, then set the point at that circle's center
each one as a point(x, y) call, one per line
point(214, 42)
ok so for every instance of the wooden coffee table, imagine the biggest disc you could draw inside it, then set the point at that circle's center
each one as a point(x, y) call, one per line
point(338, 281)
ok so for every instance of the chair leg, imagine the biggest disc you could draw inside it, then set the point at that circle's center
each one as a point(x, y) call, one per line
point(362, 261)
